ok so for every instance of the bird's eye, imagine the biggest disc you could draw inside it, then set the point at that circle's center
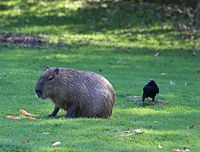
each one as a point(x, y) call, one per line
point(50, 78)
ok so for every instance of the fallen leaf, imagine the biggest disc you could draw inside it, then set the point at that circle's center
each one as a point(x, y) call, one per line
point(32, 118)
point(25, 113)
point(46, 133)
point(57, 143)
point(163, 74)
point(138, 131)
point(128, 131)
point(194, 53)
point(120, 62)
point(171, 82)
point(104, 19)
point(13, 118)
point(157, 54)
point(104, 5)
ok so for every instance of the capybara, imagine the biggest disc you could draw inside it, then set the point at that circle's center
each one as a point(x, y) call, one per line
point(80, 93)
point(150, 90)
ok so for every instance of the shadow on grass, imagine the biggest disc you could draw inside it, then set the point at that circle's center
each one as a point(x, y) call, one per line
point(92, 17)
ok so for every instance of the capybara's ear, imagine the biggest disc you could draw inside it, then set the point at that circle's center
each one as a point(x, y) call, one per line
point(46, 68)
point(56, 71)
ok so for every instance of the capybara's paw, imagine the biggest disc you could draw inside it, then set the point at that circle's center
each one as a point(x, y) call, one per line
point(50, 115)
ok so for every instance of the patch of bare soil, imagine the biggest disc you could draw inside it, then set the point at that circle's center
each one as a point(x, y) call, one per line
point(21, 39)
point(139, 99)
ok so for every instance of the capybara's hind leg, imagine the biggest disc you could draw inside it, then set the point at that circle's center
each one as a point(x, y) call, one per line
point(72, 111)
point(54, 113)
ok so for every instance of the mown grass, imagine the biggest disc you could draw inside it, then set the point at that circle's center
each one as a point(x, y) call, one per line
point(117, 40)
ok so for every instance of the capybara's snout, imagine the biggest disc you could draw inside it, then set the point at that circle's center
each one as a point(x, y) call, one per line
point(39, 93)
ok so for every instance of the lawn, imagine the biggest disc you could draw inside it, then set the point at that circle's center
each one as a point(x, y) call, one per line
point(127, 43)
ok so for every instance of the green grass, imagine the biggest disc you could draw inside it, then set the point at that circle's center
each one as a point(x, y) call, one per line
point(120, 38)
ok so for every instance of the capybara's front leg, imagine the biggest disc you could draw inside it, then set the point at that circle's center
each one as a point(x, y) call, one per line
point(71, 111)
point(54, 113)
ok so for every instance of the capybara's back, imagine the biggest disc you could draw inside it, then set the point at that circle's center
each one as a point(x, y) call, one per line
point(81, 93)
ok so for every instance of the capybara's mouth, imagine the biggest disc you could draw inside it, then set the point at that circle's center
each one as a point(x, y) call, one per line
point(41, 97)
point(40, 94)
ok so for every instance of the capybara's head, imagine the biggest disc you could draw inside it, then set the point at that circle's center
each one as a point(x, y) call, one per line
point(47, 82)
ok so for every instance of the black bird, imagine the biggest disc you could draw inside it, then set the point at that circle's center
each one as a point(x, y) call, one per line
point(150, 90)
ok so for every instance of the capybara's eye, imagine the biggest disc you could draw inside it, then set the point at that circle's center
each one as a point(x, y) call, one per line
point(50, 78)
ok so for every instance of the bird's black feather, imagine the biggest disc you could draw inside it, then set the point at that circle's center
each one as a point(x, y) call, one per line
point(150, 90)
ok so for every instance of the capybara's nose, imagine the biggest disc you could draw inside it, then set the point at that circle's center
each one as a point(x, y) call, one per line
point(39, 93)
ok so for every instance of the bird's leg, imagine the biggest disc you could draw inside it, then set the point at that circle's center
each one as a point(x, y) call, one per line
point(153, 99)
point(142, 102)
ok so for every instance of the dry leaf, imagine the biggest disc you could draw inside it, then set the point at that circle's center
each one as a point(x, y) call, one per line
point(32, 118)
point(13, 118)
point(138, 131)
point(128, 131)
point(120, 62)
point(57, 143)
point(25, 113)
point(46, 133)
point(163, 74)
point(171, 82)
point(157, 54)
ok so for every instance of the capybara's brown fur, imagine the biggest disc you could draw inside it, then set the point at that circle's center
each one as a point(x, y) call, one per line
point(80, 93)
